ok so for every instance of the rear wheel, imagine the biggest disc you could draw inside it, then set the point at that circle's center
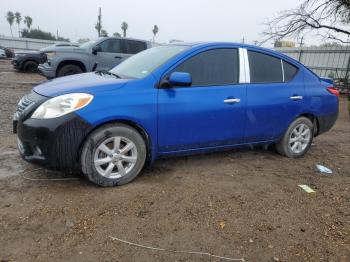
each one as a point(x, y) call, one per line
point(67, 70)
point(113, 155)
point(30, 67)
point(297, 139)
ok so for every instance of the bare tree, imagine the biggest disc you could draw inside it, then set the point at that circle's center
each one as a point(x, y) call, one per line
point(328, 18)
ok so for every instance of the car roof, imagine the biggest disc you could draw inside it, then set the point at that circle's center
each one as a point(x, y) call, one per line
point(237, 45)
point(127, 38)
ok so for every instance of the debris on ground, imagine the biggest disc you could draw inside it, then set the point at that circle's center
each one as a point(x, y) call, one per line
point(324, 169)
point(176, 251)
point(307, 189)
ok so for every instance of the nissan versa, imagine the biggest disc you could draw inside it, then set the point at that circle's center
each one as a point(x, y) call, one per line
point(173, 100)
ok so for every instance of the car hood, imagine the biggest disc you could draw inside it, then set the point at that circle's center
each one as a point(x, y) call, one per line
point(82, 83)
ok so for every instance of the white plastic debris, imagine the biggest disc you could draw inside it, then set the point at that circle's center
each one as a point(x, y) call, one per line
point(323, 169)
point(307, 189)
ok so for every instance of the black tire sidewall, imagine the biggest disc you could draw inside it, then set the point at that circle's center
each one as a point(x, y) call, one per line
point(283, 145)
point(96, 138)
point(66, 68)
point(30, 67)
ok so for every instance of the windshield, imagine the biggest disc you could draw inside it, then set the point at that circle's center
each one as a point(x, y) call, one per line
point(144, 63)
point(87, 44)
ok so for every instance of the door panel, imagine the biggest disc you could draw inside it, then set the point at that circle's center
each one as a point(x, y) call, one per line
point(192, 118)
point(270, 109)
point(211, 112)
point(275, 97)
point(110, 54)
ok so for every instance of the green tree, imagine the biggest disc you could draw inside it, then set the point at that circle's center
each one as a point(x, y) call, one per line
point(37, 34)
point(10, 17)
point(155, 31)
point(116, 34)
point(124, 27)
point(18, 17)
point(28, 21)
point(104, 33)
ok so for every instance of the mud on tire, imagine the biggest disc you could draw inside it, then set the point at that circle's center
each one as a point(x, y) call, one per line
point(106, 133)
point(284, 147)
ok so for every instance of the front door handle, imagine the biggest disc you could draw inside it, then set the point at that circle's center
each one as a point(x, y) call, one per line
point(232, 100)
point(118, 57)
point(295, 98)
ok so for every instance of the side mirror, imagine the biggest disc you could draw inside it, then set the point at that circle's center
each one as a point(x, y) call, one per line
point(96, 49)
point(180, 79)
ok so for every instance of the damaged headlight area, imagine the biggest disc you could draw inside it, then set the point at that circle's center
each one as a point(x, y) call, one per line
point(62, 105)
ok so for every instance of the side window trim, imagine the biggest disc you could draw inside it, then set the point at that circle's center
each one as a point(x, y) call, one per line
point(283, 75)
point(244, 69)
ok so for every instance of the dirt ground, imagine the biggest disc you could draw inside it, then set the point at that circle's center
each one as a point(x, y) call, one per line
point(239, 204)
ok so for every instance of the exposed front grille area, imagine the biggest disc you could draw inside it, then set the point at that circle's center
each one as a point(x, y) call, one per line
point(23, 104)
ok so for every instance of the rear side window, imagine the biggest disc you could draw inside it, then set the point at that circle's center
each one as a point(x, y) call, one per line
point(213, 67)
point(289, 71)
point(264, 68)
point(134, 47)
point(110, 46)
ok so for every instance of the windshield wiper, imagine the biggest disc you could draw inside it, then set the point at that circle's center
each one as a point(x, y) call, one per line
point(105, 72)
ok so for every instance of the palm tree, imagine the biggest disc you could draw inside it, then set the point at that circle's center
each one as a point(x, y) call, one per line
point(18, 21)
point(155, 31)
point(10, 17)
point(28, 21)
point(124, 28)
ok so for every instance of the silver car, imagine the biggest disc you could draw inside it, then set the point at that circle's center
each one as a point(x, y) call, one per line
point(102, 54)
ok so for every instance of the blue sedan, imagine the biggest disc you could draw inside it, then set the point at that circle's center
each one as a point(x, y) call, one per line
point(169, 100)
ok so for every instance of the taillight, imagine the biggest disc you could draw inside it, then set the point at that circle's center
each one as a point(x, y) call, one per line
point(333, 91)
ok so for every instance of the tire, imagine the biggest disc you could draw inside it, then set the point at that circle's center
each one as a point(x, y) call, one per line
point(67, 70)
point(94, 151)
point(291, 139)
point(30, 67)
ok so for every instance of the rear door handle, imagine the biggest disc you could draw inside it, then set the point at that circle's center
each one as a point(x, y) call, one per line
point(118, 57)
point(295, 98)
point(232, 100)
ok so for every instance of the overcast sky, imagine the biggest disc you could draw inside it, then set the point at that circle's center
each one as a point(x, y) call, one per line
point(189, 20)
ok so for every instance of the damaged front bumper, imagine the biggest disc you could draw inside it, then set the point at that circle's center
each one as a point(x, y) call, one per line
point(54, 143)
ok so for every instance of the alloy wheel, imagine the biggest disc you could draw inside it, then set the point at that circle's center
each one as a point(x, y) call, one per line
point(115, 157)
point(299, 138)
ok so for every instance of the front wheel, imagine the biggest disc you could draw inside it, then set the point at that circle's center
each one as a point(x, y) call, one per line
point(68, 70)
point(113, 155)
point(297, 139)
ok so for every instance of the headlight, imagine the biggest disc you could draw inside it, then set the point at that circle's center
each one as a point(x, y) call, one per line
point(50, 54)
point(62, 105)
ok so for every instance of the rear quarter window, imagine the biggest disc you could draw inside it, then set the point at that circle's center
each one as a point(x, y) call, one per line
point(264, 68)
point(134, 47)
point(289, 71)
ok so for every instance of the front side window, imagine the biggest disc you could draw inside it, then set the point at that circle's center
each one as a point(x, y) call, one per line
point(134, 47)
point(213, 67)
point(110, 46)
point(264, 68)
